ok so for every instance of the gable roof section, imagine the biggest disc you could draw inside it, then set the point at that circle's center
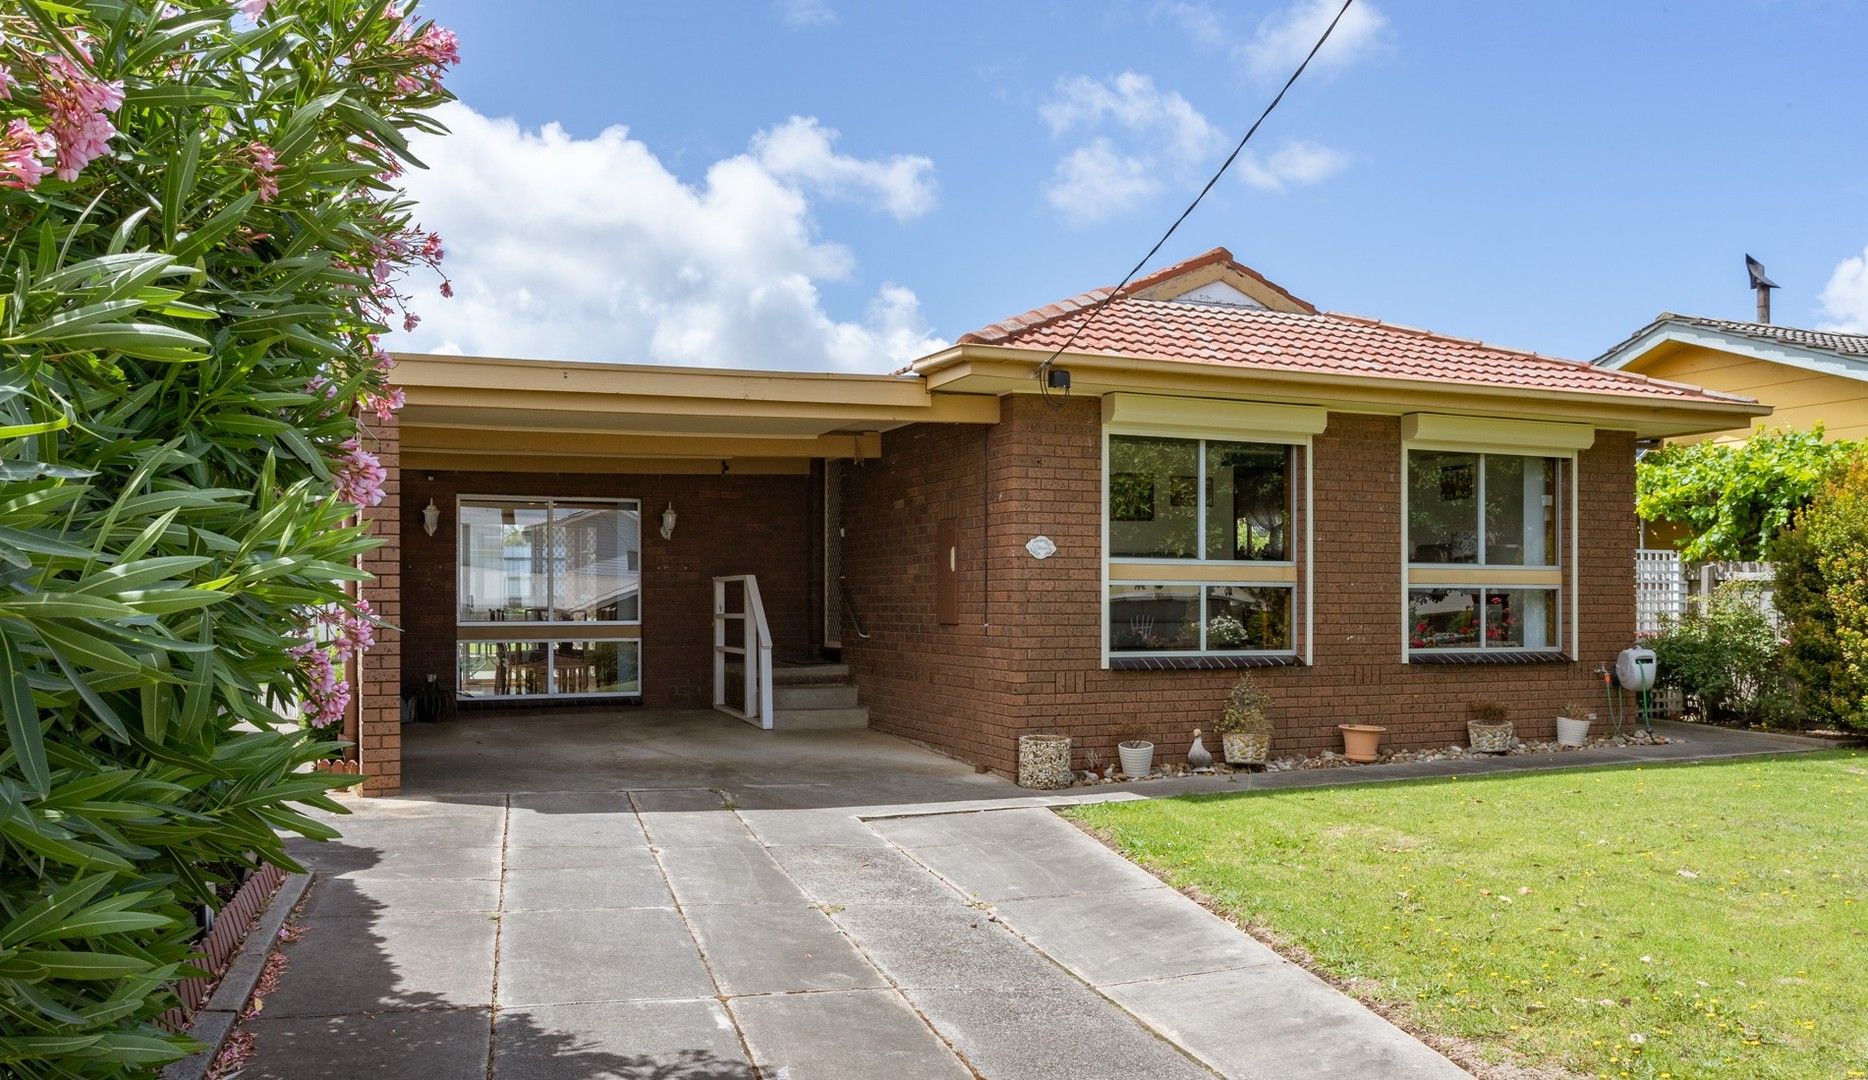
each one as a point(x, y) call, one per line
point(1827, 351)
point(1145, 322)
point(1165, 284)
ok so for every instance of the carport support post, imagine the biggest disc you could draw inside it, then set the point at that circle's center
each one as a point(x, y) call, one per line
point(378, 687)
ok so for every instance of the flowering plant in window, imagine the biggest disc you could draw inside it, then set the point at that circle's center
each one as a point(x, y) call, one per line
point(203, 246)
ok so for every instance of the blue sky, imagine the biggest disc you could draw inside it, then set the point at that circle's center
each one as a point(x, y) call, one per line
point(1547, 176)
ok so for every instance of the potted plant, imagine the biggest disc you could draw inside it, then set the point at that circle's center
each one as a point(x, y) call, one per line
point(1573, 725)
point(1245, 726)
point(1489, 728)
point(1362, 742)
point(1137, 754)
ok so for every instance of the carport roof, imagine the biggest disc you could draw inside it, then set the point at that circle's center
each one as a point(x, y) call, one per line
point(472, 412)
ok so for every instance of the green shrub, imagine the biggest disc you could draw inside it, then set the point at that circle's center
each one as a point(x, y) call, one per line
point(1735, 498)
point(1726, 655)
point(1822, 594)
point(198, 249)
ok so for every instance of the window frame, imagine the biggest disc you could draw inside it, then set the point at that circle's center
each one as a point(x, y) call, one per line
point(1559, 577)
point(550, 632)
point(1293, 575)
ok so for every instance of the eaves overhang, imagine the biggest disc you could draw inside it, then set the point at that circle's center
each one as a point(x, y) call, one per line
point(998, 369)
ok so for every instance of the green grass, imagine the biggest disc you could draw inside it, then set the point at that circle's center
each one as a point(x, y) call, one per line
point(1675, 921)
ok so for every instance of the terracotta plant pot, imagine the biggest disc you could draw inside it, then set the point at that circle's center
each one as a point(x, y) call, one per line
point(1362, 742)
point(1245, 748)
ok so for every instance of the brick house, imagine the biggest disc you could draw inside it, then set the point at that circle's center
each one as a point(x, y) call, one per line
point(1385, 524)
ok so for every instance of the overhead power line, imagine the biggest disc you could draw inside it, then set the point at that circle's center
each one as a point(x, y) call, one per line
point(1044, 367)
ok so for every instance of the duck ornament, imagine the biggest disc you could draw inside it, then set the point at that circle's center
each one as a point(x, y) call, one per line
point(1199, 758)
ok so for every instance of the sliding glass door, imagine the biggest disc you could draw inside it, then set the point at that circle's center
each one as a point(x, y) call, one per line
point(548, 597)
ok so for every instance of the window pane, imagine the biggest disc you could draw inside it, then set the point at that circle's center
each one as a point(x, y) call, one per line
point(1248, 506)
point(597, 667)
point(1154, 618)
point(1520, 510)
point(501, 561)
point(1154, 497)
point(1246, 617)
point(1521, 618)
point(1443, 618)
point(1443, 507)
point(502, 668)
point(597, 561)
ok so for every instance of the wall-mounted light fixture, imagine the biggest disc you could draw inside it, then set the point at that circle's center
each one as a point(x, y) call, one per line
point(431, 517)
point(668, 522)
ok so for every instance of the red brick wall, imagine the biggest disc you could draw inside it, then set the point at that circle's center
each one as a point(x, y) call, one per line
point(972, 690)
point(377, 689)
point(732, 524)
point(954, 686)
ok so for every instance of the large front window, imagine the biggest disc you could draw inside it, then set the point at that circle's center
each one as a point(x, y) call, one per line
point(1201, 546)
point(1483, 567)
point(548, 597)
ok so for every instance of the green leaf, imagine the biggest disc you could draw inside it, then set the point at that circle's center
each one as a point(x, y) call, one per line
point(25, 738)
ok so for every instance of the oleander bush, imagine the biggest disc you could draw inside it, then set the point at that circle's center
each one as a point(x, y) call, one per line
point(200, 244)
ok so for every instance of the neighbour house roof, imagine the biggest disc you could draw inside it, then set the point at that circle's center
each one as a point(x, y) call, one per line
point(1273, 331)
point(1829, 351)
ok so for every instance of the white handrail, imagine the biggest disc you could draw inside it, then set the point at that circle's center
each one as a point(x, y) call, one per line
point(755, 649)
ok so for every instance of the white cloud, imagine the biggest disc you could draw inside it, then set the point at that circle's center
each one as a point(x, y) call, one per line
point(1161, 118)
point(1097, 182)
point(1141, 135)
point(592, 249)
point(1285, 37)
point(800, 150)
point(806, 13)
point(1201, 22)
point(1294, 164)
point(1845, 298)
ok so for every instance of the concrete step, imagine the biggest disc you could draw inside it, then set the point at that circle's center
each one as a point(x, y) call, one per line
point(789, 696)
point(794, 674)
point(819, 719)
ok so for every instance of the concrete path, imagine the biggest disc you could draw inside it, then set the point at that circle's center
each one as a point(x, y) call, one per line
point(819, 906)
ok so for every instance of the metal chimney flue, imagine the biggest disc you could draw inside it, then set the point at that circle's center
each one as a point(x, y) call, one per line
point(1762, 286)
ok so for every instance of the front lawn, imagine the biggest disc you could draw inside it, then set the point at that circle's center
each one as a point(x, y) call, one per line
point(1675, 921)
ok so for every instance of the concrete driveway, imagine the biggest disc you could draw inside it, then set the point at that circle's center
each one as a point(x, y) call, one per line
point(681, 897)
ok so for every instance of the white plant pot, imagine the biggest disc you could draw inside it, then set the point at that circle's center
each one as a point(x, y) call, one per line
point(1572, 732)
point(1138, 759)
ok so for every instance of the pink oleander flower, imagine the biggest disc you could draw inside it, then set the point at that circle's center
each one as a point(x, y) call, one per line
point(410, 320)
point(265, 170)
point(7, 83)
point(78, 104)
point(253, 9)
point(327, 695)
point(386, 405)
point(359, 475)
point(447, 289)
point(22, 154)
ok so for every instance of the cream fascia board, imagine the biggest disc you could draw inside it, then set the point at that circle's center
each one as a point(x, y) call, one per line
point(1213, 418)
point(1438, 431)
point(998, 369)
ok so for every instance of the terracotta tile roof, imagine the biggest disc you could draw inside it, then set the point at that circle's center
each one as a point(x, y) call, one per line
point(1853, 346)
point(1304, 340)
point(1321, 342)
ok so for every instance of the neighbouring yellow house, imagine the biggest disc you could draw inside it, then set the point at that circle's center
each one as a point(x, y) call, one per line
point(1809, 377)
